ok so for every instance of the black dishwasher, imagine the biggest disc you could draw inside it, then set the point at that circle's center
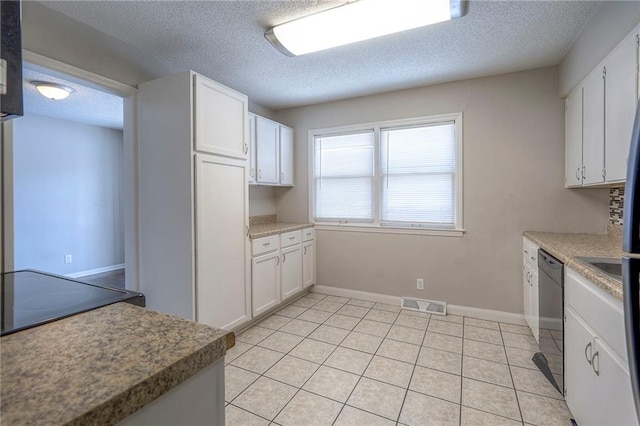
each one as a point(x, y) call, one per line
point(550, 358)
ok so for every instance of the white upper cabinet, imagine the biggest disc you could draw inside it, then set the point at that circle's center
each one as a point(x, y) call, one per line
point(620, 105)
point(220, 119)
point(270, 152)
point(599, 119)
point(593, 128)
point(573, 146)
point(267, 141)
point(253, 170)
point(286, 156)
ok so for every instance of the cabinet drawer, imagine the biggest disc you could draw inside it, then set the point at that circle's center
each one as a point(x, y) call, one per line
point(290, 238)
point(308, 234)
point(265, 245)
point(600, 310)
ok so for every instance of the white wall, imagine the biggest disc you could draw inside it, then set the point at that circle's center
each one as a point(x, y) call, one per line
point(262, 200)
point(513, 129)
point(607, 27)
point(67, 192)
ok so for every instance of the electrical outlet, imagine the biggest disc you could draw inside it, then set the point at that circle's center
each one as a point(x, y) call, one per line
point(420, 284)
point(68, 258)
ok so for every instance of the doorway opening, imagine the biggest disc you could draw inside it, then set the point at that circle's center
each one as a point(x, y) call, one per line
point(69, 203)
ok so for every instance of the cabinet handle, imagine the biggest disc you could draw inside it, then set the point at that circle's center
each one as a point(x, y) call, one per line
point(253, 172)
point(526, 252)
point(266, 244)
point(596, 356)
point(247, 230)
point(578, 173)
point(583, 171)
point(282, 176)
point(292, 238)
point(246, 148)
point(278, 257)
point(305, 250)
point(604, 174)
point(284, 257)
point(588, 348)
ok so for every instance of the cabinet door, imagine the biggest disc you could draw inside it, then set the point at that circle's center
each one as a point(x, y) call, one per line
point(267, 141)
point(222, 285)
point(220, 116)
point(573, 139)
point(620, 107)
point(286, 156)
point(308, 264)
point(579, 376)
point(265, 282)
point(593, 128)
point(252, 148)
point(612, 388)
point(535, 313)
point(526, 290)
point(291, 270)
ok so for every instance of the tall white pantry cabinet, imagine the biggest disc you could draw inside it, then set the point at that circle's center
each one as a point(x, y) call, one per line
point(193, 199)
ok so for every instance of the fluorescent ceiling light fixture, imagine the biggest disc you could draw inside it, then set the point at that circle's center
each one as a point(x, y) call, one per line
point(53, 91)
point(360, 20)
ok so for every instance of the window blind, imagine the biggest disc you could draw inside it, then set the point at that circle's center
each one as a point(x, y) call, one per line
point(417, 176)
point(343, 177)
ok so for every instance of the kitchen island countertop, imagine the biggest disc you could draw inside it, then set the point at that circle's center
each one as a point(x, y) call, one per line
point(100, 366)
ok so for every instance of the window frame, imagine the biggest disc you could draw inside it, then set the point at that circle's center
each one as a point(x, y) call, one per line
point(376, 226)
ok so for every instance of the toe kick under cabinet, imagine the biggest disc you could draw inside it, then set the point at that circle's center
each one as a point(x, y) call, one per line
point(282, 266)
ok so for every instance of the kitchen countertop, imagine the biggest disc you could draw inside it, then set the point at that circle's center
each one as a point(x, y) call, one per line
point(273, 228)
point(567, 247)
point(100, 366)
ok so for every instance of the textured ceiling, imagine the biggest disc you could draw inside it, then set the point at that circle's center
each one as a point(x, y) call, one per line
point(84, 105)
point(224, 40)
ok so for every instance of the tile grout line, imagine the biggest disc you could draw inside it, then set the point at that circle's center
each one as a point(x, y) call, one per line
point(514, 386)
point(362, 375)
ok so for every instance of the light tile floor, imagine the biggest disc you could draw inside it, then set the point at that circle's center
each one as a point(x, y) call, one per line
point(326, 360)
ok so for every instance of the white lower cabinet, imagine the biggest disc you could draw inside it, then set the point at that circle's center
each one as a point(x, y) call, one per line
point(530, 286)
point(308, 264)
point(598, 387)
point(265, 282)
point(291, 270)
point(282, 266)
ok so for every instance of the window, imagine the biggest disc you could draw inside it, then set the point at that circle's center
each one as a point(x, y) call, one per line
point(401, 174)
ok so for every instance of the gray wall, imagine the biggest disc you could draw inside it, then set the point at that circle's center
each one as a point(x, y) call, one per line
point(513, 129)
point(67, 191)
point(607, 27)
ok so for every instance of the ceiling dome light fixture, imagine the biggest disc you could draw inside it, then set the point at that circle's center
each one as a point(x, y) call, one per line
point(53, 91)
point(360, 20)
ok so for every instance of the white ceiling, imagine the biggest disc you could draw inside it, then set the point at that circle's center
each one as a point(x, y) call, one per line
point(85, 105)
point(224, 40)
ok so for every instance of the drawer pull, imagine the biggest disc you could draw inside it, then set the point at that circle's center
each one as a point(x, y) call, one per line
point(278, 257)
point(596, 356)
point(305, 250)
point(292, 238)
point(266, 244)
point(588, 357)
point(284, 257)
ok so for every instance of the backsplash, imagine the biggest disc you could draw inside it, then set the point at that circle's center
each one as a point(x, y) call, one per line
point(261, 220)
point(616, 203)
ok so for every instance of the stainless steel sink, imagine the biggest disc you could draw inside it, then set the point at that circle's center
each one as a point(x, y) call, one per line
point(610, 266)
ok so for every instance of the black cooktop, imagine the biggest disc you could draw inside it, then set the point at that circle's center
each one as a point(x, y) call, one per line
point(29, 298)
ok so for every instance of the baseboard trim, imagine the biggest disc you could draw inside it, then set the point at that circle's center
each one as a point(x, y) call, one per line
point(485, 314)
point(96, 271)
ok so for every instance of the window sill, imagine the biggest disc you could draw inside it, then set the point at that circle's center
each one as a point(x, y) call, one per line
point(390, 230)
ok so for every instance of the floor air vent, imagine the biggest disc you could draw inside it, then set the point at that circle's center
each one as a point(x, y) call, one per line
point(428, 306)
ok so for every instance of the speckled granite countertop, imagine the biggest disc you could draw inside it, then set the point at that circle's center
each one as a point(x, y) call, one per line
point(273, 228)
point(567, 247)
point(100, 366)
